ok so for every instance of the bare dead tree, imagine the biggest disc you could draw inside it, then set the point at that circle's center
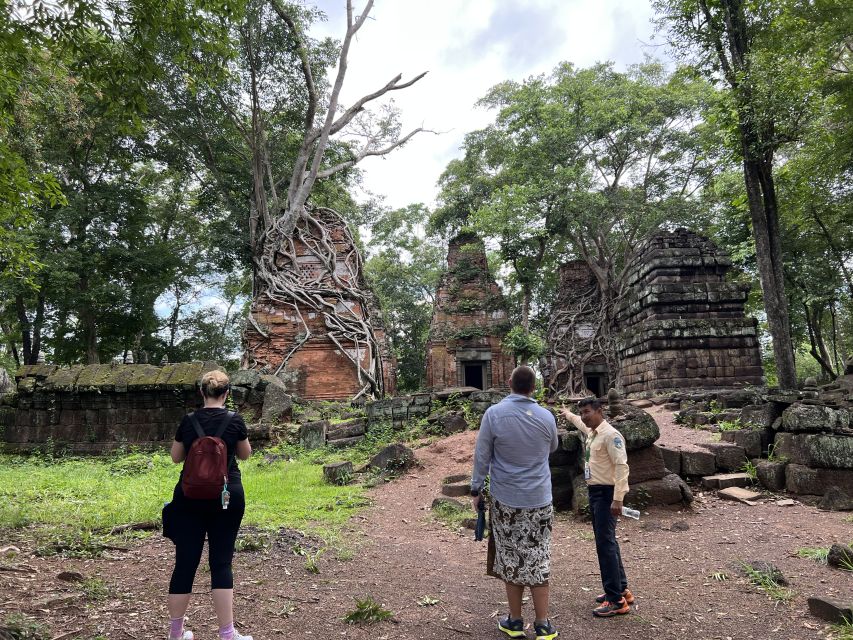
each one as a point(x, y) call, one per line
point(281, 215)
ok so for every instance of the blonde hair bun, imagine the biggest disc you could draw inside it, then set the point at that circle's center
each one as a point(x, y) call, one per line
point(214, 384)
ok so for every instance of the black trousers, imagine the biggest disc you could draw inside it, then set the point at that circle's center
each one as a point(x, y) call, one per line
point(195, 519)
point(604, 527)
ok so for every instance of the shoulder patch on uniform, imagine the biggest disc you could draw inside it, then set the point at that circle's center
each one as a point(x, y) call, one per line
point(617, 442)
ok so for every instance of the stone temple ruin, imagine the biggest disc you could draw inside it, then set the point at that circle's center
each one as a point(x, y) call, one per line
point(576, 356)
point(465, 343)
point(303, 341)
point(682, 325)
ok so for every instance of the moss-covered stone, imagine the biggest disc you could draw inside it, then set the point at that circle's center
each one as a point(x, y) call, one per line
point(63, 379)
point(39, 371)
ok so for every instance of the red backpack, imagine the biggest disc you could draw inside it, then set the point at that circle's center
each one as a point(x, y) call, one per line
point(205, 473)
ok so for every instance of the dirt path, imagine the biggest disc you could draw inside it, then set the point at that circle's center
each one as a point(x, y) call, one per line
point(402, 555)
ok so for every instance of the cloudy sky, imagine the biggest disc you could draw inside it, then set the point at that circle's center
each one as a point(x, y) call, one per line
point(468, 46)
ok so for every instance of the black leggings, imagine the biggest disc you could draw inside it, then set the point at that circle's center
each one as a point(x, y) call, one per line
point(194, 519)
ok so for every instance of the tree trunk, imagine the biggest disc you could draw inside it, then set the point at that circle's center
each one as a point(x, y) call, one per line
point(525, 307)
point(25, 327)
point(90, 328)
point(818, 346)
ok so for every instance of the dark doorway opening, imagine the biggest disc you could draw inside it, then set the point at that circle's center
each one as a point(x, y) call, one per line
point(474, 375)
point(593, 383)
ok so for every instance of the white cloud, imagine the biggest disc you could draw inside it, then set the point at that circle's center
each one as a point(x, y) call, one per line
point(468, 46)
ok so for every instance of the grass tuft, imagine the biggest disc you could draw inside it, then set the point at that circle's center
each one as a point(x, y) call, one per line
point(367, 611)
point(768, 583)
point(818, 554)
point(19, 627)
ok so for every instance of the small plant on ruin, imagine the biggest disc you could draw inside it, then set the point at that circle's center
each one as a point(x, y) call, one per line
point(818, 554)
point(715, 408)
point(767, 582)
point(367, 611)
point(750, 469)
point(772, 456)
point(731, 425)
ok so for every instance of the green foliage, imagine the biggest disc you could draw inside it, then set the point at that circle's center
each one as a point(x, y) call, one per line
point(95, 589)
point(818, 554)
point(19, 627)
point(450, 515)
point(527, 347)
point(367, 611)
point(749, 468)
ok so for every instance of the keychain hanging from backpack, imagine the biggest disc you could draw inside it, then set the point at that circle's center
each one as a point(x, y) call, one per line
point(226, 495)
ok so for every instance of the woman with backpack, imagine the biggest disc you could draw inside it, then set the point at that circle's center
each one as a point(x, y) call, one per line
point(208, 501)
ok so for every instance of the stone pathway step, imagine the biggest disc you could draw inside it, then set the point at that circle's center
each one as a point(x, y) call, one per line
point(726, 480)
point(741, 495)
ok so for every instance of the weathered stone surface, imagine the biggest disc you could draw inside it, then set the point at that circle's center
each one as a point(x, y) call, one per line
point(569, 451)
point(836, 500)
point(840, 555)
point(642, 404)
point(748, 439)
point(646, 464)
point(670, 489)
point(572, 441)
point(799, 418)
point(831, 610)
point(739, 494)
point(816, 450)
point(393, 458)
point(342, 443)
point(562, 486)
point(698, 463)
point(339, 473)
point(728, 457)
point(808, 481)
point(771, 474)
point(312, 435)
point(580, 495)
point(248, 378)
point(671, 458)
point(761, 415)
point(453, 423)
point(726, 480)
point(347, 429)
point(637, 427)
point(277, 402)
point(456, 489)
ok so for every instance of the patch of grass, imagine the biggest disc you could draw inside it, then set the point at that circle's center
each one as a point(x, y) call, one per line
point(848, 519)
point(253, 541)
point(767, 583)
point(367, 611)
point(586, 535)
point(734, 425)
point(95, 589)
point(749, 468)
point(818, 554)
point(843, 630)
point(846, 563)
point(450, 515)
point(720, 576)
point(19, 627)
point(428, 601)
point(100, 493)
point(311, 565)
point(69, 543)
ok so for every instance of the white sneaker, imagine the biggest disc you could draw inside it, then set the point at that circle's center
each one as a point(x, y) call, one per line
point(188, 635)
point(240, 636)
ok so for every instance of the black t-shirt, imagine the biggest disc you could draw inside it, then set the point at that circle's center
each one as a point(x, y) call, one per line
point(210, 420)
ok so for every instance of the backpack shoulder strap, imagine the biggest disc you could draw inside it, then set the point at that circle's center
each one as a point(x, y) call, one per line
point(229, 416)
point(196, 425)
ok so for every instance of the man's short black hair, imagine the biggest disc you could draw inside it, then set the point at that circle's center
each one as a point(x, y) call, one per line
point(592, 403)
point(523, 379)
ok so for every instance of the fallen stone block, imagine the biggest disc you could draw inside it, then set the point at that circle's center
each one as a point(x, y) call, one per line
point(637, 427)
point(809, 418)
point(748, 439)
point(339, 473)
point(646, 464)
point(761, 415)
point(737, 493)
point(726, 480)
point(671, 459)
point(811, 481)
point(698, 463)
point(312, 435)
point(278, 403)
point(456, 489)
point(727, 456)
point(347, 429)
point(836, 500)
point(393, 458)
point(771, 474)
point(816, 450)
point(342, 443)
point(670, 489)
point(840, 555)
point(831, 610)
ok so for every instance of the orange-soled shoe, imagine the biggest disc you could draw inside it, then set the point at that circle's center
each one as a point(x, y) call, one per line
point(629, 597)
point(610, 609)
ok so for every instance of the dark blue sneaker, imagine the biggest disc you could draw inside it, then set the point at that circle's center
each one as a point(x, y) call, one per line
point(513, 628)
point(546, 631)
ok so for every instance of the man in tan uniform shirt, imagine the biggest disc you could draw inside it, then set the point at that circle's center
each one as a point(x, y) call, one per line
point(606, 474)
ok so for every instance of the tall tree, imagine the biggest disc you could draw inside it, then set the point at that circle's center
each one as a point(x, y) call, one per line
point(734, 41)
